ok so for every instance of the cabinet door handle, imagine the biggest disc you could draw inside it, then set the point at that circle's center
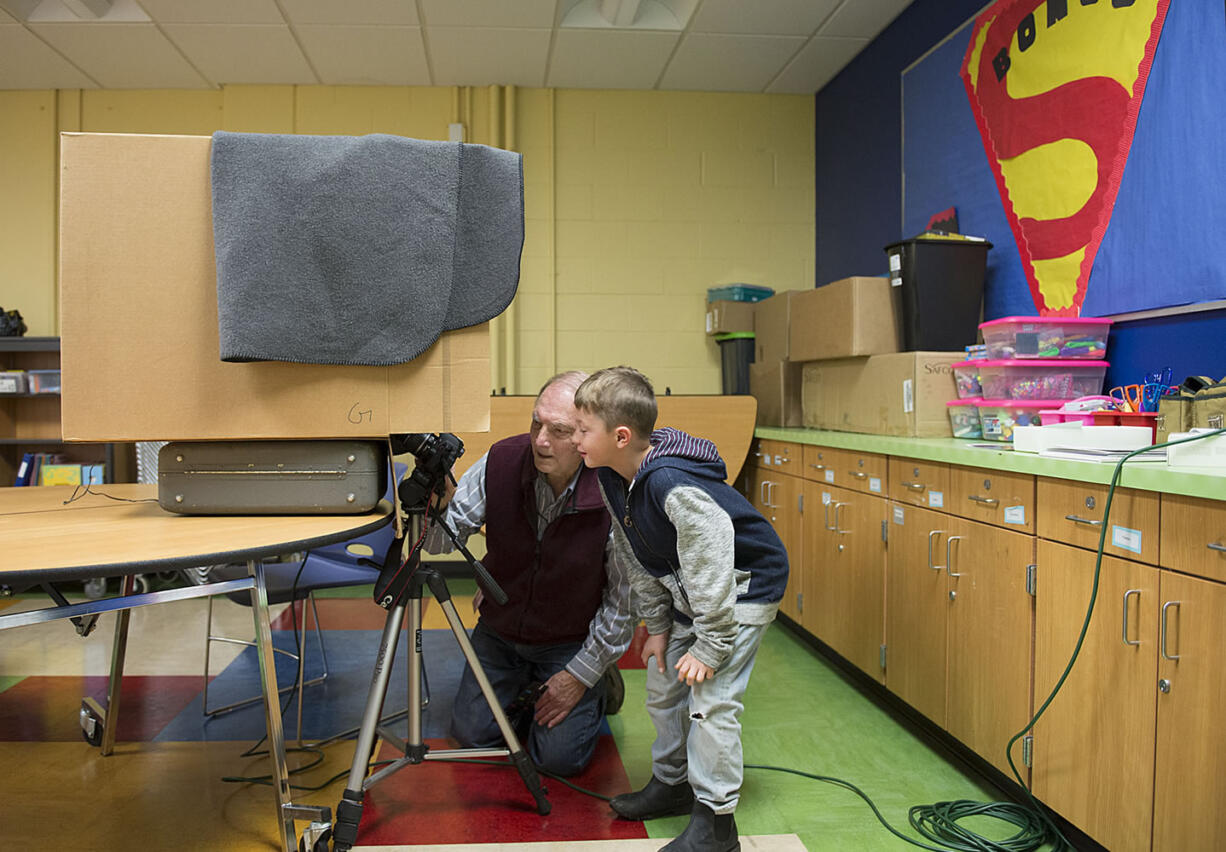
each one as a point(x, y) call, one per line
point(1162, 640)
point(858, 474)
point(1077, 519)
point(770, 495)
point(1220, 548)
point(1128, 594)
point(762, 493)
point(930, 535)
point(837, 528)
point(987, 501)
point(948, 557)
point(914, 486)
point(826, 519)
point(817, 466)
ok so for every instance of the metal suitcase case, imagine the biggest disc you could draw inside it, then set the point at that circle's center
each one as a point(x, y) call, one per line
point(271, 477)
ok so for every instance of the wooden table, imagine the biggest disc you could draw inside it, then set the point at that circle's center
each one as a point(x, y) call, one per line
point(119, 530)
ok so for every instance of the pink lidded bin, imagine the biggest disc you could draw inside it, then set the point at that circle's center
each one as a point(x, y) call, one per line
point(966, 378)
point(1081, 410)
point(999, 417)
point(964, 417)
point(1046, 337)
point(1041, 378)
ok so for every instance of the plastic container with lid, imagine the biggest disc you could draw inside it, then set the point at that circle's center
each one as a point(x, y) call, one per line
point(966, 379)
point(1046, 337)
point(999, 417)
point(1038, 378)
point(739, 293)
point(964, 417)
point(1128, 418)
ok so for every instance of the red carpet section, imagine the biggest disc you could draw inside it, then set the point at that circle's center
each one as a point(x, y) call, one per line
point(443, 802)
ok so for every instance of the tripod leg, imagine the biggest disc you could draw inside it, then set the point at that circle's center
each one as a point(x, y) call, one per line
point(527, 770)
point(349, 810)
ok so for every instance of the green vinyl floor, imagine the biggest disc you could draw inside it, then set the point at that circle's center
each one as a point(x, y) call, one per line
point(800, 713)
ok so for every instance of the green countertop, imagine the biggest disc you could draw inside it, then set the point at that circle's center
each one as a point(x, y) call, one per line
point(1147, 476)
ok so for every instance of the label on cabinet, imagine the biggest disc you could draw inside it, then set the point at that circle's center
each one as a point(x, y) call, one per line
point(830, 476)
point(936, 499)
point(1015, 514)
point(1126, 539)
point(898, 515)
point(874, 484)
point(825, 498)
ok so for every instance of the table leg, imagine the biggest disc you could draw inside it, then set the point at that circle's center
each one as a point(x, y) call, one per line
point(272, 706)
point(119, 649)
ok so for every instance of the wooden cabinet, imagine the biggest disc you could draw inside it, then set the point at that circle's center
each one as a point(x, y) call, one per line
point(1094, 745)
point(30, 422)
point(844, 558)
point(919, 483)
point(867, 472)
point(1072, 512)
point(778, 497)
point(1001, 499)
point(1193, 538)
point(1190, 767)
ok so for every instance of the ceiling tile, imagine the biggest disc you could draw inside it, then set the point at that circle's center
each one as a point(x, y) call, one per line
point(816, 65)
point(119, 12)
point(764, 17)
point(488, 13)
point(6, 18)
point(727, 63)
point(255, 53)
point(122, 56)
point(864, 18)
point(213, 12)
point(366, 56)
point(479, 56)
point(27, 63)
point(602, 59)
point(397, 13)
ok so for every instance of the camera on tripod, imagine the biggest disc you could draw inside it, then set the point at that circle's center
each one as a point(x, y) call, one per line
point(435, 454)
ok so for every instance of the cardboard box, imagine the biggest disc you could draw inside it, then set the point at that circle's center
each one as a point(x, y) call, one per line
point(138, 308)
point(771, 327)
point(903, 394)
point(725, 317)
point(853, 316)
point(776, 386)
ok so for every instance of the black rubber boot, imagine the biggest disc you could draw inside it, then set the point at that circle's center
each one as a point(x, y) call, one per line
point(707, 832)
point(655, 800)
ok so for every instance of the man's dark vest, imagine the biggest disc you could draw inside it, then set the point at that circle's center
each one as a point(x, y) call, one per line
point(553, 586)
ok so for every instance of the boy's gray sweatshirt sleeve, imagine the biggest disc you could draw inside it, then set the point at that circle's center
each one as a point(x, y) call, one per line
point(649, 598)
point(706, 551)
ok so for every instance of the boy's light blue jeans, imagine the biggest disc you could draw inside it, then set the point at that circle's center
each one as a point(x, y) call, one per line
point(566, 748)
point(698, 728)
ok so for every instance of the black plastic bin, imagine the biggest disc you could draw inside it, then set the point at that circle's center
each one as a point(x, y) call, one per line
point(735, 355)
point(942, 290)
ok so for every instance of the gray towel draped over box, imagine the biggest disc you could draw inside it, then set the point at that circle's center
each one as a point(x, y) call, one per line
point(359, 250)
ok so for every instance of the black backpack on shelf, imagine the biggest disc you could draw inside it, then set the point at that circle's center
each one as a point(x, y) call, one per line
point(11, 324)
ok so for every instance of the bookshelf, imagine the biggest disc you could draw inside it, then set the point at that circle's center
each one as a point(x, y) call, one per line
point(30, 422)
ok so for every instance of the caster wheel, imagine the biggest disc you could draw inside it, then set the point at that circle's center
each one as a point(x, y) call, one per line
point(320, 844)
point(91, 724)
point(142, 584)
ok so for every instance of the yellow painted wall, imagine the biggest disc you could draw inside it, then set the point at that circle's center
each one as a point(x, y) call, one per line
point(635, 202)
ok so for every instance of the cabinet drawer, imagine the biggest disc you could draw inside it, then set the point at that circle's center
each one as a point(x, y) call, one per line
point(982, 494)
point(779, 456)
point(919, 483)
point(865, 472)
point(1072, 512)
point(1193, 536)
point(825, 464)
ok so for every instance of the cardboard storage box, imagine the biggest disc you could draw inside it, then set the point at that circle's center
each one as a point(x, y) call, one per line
point(771, 326)
point(776, 386)
point(726, 317)
point(853, 316)
point(903, 394)
point(139, 340)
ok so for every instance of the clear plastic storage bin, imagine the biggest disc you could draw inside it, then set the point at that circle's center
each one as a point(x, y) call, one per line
point(999, 417)
point(739, 293)
point(1041, 378)
point(44, 381)
point(1046, 337)
point(964, 417)
point(966, 378)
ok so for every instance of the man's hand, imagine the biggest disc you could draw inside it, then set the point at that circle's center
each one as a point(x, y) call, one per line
point(655, 646)
point(562, 693)
point(692, 670)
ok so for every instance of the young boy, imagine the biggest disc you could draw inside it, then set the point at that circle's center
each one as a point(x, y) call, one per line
point(707, 573)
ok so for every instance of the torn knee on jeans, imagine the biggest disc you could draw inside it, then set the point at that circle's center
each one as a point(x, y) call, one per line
point(697, 717)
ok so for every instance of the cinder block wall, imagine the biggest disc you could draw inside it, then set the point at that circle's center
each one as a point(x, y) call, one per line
point(636, 202)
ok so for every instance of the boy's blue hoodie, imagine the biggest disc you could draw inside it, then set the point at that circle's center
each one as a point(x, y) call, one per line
point(697, 550)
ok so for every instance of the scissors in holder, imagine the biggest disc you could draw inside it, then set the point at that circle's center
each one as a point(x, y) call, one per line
point(1129, 397)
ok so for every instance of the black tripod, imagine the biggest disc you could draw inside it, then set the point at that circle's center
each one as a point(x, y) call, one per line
point(349, 810)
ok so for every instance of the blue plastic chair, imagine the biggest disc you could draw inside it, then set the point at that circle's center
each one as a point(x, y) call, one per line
point(349, 563)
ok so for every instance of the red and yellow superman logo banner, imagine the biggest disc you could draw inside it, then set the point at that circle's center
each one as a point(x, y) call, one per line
point(1055, 87)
